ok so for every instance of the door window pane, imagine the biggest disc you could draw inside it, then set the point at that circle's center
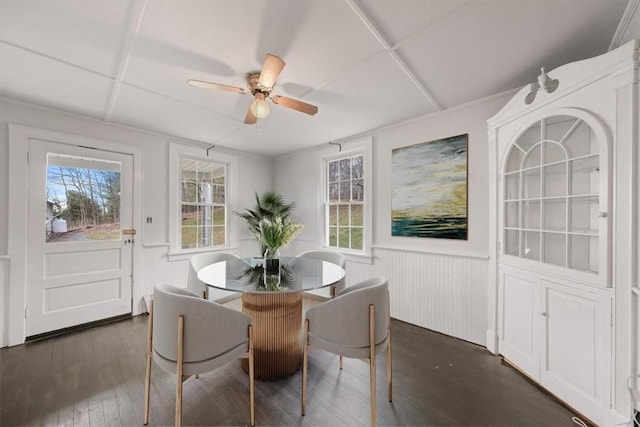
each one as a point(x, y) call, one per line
point(83, 199)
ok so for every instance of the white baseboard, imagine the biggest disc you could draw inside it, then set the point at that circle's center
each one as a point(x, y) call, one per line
point(492, 341)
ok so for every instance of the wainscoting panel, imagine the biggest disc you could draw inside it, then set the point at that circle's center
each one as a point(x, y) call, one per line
point(444, 293)
point(4, 298)
point(158, 269)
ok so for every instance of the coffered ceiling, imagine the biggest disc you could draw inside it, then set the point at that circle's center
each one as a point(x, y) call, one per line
point(365, 63)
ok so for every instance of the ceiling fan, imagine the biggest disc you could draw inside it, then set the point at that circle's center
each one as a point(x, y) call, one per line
point(260, 86)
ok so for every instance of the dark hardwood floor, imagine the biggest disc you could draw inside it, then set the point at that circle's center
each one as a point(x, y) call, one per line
point(95, 377)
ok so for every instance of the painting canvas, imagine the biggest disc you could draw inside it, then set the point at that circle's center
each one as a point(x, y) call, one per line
point(429, 189)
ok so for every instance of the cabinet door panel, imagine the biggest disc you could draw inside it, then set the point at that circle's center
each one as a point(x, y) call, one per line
point(519, 341)
point(576, 328)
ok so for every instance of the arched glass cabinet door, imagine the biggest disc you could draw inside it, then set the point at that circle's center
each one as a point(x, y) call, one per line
point(555, 197)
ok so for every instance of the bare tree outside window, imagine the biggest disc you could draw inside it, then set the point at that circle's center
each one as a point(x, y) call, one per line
point(345, 202)
point(85, 194)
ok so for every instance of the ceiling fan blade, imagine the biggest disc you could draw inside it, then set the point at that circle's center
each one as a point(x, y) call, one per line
point(250, 118)
point(271, 69)
point(217, 86)
point(294, 104)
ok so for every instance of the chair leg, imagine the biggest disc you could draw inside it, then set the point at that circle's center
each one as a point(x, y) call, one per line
point(147, 379)
point(334, 293)
point(389, 361)
point(305, 350)
point(179, 371)
point(252, 413)
point(372, 361)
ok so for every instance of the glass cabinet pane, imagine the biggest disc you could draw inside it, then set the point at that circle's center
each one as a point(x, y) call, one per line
point(553, 152)
point(533, 157)
point(512, 214)
point(531, 245)
point(555, 214)
point(584, 215)
point(555, 180)
point(585, 175)
point(557, 127)
point(531, 215)
point(530, 137)
point(581, 141)
point(511, 242)
point(551, 201)
point(584, 253)
point(531, 183)
point(514, 160)
point(554, 248)
point(512, 186)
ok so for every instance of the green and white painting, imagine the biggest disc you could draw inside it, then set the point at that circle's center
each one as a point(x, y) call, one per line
point(429, 189)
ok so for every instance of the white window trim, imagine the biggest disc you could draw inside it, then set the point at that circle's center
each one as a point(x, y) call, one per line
point(176, 153)
point(362, 146)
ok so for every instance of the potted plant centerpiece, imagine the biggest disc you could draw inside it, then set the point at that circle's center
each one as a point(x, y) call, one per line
point(274, 234)
point(270, 226)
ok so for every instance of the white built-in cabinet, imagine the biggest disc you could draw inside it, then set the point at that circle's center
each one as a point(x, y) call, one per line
point(563, 158)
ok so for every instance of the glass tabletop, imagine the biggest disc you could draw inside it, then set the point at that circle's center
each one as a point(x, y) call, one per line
point(248, 275)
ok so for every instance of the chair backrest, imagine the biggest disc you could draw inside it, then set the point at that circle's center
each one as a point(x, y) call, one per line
point(210, 329)
point(328, 256)
point(344, 320)
point(197, 261)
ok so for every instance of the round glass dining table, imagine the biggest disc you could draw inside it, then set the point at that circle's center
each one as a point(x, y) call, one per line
point(273, 300)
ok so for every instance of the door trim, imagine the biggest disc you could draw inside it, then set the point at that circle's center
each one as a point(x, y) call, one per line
point(19, 136)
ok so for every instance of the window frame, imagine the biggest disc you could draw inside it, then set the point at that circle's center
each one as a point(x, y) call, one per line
point(360, 147)
point(178, 153)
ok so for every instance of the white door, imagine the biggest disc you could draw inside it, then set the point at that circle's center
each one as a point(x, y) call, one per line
point(79, 255)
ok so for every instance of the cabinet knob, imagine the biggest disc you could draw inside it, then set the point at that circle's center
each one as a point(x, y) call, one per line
point(602, 214)
point(543, 313)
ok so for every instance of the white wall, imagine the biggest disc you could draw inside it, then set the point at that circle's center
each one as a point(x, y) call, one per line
point(439, 284)
point(255, 174)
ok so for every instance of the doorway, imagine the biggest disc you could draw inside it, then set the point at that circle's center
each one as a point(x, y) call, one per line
point(80, 236)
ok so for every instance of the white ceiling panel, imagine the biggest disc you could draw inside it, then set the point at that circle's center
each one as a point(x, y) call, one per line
point(87, 34)
point(402, 18)
point(501, 45)
point(364, 63)
point(376, 93)
point(43, 81)
point(145, 110)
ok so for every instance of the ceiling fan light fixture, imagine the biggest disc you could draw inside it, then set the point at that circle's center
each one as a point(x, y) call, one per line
point(259, 106)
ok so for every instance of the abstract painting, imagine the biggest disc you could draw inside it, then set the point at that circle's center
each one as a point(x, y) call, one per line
point(429, 189)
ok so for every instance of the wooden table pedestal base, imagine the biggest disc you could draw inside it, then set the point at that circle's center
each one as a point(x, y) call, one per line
point(277, 346)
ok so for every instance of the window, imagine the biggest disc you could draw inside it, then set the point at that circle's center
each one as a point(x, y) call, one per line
point(345, 202)
point(203, 203)
point(201, 196)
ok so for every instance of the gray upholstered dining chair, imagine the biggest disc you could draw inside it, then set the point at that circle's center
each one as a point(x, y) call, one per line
point(196, 262)
point(189, 336)
point(332, 257)
point(355, 324)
